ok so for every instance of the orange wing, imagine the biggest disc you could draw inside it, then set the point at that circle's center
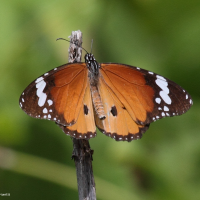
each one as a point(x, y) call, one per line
point(62, 95)
point(85, 127)
point(118, 123)
point(134, 97)
point(68, 93)
point(57, 95)
point(130, 87)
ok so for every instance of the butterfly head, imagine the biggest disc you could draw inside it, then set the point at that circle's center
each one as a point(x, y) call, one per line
point(92, 64)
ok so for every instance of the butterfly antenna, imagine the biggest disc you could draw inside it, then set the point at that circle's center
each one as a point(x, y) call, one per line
point(72, 43)
point(91, 45)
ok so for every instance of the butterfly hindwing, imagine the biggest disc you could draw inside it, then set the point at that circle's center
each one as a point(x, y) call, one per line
point(57, 95)
point(118, 123)
point(85, 127)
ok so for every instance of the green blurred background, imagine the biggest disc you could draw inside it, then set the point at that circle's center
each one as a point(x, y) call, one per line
point(35, 155)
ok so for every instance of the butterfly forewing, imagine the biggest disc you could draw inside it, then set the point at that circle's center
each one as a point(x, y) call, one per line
point(57, 95)
point(135, 96)
point(145, 95)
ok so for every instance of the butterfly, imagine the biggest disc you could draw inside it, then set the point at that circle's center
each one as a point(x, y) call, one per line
point(120, 100)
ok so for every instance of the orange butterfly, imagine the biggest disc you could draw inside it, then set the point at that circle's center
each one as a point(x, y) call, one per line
point(119, 99)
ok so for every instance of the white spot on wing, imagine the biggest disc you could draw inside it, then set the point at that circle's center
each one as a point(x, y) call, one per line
point(50, 102)
point(160, 77)
point(40, 87)
point(45, 110)
point(42, 96)
point(158, 100)
point(39, 79)
point(42, 99)
point(46, 74)
point(163, 114)
point(49, 116)
point(186, 96)
point(166, 108)
point(150, 72)
point(163, 85)
point(165, 97)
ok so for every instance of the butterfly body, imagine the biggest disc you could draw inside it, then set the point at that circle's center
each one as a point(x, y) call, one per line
point(119, 99)
point(93, 75)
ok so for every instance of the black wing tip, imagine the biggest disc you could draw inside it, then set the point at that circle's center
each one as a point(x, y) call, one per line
point(183, 107)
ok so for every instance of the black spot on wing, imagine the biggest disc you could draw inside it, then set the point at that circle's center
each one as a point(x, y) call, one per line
point(114, 111)
point(85, 110)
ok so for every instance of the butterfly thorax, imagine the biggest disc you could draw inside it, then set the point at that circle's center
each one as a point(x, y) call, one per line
point(93, 67)
point(92, 64)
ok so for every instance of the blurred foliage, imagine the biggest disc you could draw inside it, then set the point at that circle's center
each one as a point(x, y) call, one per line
point(161, 36)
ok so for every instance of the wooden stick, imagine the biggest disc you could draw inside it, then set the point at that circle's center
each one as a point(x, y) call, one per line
point(82, 154)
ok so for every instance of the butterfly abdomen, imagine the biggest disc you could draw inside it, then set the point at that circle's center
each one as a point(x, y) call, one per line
point(96, 99)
